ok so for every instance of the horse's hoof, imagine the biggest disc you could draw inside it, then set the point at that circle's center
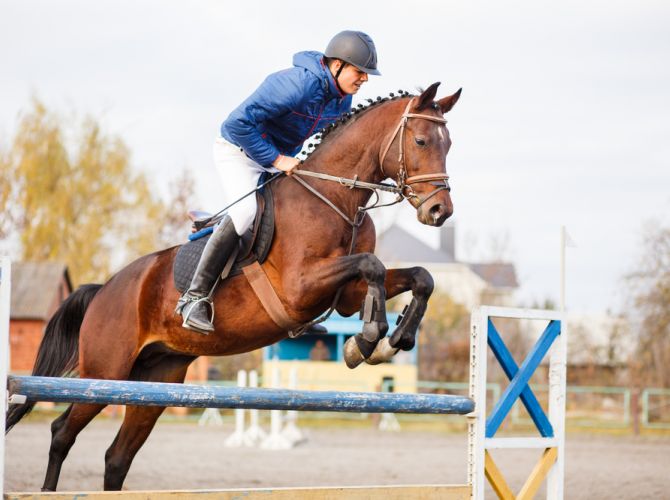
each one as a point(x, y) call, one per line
point(383, 352)
point(352, 354)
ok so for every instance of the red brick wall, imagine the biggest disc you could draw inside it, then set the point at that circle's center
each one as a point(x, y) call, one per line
point(24, 339)
point(25, 335)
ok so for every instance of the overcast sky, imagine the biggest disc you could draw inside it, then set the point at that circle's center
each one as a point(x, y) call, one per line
point(563, 118)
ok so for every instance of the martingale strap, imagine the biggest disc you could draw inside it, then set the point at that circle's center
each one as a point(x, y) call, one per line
point(268, 297)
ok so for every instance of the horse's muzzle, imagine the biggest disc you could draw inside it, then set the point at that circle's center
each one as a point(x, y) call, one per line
point(434, 214)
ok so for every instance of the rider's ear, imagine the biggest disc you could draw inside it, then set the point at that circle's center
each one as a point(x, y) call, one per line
point(427, 96)
point(448, 102)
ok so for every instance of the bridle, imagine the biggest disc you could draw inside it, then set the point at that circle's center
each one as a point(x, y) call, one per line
point(441, 180)
point(403, 187)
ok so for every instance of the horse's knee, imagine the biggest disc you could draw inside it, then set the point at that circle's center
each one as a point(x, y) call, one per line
point(423, 282)
point(371, 268)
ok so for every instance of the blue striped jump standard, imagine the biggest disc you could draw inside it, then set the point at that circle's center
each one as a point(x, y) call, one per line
point(519, 379)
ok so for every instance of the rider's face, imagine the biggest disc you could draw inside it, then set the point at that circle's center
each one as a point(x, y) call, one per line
point(351, 78)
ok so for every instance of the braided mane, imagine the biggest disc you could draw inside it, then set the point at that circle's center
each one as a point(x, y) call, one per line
point(323, 134)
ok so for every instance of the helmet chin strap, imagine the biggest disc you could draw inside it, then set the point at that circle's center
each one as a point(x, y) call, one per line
point(337, 76)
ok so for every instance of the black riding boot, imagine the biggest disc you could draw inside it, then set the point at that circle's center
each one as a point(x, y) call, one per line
point(193, 304)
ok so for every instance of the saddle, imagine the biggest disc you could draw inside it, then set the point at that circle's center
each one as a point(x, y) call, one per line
point(254, 245)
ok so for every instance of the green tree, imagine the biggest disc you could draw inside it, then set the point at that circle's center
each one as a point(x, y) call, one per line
point(70, 193)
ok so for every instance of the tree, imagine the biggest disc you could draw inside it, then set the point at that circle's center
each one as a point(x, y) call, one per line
point(176, 225)
point(650, 309)
point(71, 194)
point(444, 340)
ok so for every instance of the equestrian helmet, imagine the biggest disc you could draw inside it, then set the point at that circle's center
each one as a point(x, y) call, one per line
point(355, 48)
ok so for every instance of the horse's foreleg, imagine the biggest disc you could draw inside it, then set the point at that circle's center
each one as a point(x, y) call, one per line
point(398, 281)
point(368, 271)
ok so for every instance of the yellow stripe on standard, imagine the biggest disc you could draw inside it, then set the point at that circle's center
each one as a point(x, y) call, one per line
point(539, 473)
point(496, 478)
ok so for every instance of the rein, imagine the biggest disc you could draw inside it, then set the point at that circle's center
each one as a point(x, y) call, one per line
point(355, 223)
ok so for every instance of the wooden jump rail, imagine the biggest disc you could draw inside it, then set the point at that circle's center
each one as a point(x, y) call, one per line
point(116, 392)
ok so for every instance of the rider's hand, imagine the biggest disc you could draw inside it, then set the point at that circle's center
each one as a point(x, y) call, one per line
point(286, 164)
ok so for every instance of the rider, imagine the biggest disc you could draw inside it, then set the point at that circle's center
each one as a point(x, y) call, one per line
point(263, 134)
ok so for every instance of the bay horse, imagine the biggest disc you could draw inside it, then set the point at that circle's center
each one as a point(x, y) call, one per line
point(126, 329)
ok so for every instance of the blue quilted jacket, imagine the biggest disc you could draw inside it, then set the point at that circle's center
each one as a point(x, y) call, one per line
point(287, 108)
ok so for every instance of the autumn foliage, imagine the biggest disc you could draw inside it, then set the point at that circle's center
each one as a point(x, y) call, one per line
point(69, 193)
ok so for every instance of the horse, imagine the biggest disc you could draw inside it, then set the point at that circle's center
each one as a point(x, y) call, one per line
point(126, 329)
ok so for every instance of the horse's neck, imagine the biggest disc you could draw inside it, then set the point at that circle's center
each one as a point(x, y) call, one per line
point(353, 153)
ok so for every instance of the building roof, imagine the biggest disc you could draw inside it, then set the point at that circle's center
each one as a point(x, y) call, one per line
point(397, 245)
point(34, 285)
point(498, 274)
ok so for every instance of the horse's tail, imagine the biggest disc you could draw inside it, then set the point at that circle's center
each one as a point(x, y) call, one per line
point(58, 353)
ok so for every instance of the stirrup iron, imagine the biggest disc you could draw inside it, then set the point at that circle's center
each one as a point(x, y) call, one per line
point(192, 302)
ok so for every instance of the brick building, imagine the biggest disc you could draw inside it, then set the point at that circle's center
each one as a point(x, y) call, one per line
point(38, 289)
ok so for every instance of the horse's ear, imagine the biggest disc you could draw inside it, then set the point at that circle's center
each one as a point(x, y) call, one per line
point(427, 96)
point(448, 102)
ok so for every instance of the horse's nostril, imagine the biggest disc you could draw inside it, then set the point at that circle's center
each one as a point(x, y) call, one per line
point(436, 210)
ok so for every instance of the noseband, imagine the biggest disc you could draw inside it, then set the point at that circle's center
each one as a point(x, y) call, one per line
point(405, 182)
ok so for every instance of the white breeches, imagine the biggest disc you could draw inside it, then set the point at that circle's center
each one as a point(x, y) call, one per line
point(239, 174)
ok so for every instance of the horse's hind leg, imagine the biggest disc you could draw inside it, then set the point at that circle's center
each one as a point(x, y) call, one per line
point(64, 431)
point(137, 424)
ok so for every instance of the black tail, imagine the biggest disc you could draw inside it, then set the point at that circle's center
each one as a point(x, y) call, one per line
point(58, 354)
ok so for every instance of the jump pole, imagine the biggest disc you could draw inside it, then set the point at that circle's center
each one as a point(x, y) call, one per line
point(115, 392)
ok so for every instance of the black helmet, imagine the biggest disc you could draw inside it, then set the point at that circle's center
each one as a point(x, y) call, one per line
point(355, 48)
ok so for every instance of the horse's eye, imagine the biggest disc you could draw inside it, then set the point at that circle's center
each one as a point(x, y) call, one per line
point(420, 142)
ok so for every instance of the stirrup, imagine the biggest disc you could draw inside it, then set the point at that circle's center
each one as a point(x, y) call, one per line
point(193, 301)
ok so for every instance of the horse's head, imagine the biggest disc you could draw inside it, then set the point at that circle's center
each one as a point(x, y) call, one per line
point(419, 145)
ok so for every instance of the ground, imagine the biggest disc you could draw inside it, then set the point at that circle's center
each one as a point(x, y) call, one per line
point(185, 456)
